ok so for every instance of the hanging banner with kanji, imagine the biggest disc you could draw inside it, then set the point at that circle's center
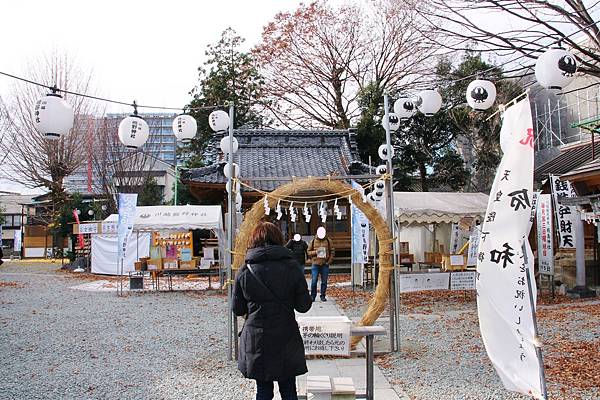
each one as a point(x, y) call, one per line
point(127, 205)
point(566, 216)
point(360, 232)
point(544, 235)
point(503, 302)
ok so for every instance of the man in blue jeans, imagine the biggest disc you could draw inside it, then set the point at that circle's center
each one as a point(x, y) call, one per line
point(321, 251)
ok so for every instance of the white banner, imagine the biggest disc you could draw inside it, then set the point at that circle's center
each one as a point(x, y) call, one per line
point(127, 204)
point(360, 232)
point(473, 247)
point(454, 239)
point(17, 241)
point(425, 281)
point(545, 248)
point(566, 216)
point(503, 301)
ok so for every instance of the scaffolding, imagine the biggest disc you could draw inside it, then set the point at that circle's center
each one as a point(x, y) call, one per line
point(560, 120)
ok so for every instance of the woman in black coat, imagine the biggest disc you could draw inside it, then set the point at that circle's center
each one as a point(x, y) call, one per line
point(268, 289)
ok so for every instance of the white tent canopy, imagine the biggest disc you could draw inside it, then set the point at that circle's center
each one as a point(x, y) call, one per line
point(426, 218)
point(437, 207)
point(154, 218)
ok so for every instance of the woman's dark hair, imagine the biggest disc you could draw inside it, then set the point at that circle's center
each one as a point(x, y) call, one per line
point(265, 233)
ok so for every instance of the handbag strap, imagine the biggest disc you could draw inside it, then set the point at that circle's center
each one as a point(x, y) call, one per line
point(262, 284)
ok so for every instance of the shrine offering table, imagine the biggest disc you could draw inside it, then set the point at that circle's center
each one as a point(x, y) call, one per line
point(210, 272)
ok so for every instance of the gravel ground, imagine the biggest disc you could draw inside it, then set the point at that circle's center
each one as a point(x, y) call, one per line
point(443, 356)
point(60, 343)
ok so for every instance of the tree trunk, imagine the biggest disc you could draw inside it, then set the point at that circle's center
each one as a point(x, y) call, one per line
point(423, 176)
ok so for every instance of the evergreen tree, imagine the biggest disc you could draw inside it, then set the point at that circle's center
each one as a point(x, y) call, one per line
point(476, 129)
point(229, 74)
point(151, 194)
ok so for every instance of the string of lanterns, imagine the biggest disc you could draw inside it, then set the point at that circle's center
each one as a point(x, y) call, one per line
point(53, 116)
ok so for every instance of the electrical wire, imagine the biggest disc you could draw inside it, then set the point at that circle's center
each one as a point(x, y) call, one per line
point(133, 104)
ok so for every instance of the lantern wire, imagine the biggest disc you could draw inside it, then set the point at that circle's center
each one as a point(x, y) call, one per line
point(89, 96)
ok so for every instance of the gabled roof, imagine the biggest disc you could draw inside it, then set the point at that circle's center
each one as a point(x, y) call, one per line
point(12, 202)
point(267, 153)
point(570, 157)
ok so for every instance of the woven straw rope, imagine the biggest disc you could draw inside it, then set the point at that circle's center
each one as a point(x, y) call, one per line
point(256, 214)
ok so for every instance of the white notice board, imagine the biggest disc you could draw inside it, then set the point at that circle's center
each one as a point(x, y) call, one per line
point(462, 280)
point(429, 281)
point(325, 335)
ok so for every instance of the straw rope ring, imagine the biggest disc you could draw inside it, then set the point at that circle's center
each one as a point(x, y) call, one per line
point(256, 213)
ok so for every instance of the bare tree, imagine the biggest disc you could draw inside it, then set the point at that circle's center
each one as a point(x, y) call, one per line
point(317, 59)
point(30, 159)
point(117, 168)
point(517, 28)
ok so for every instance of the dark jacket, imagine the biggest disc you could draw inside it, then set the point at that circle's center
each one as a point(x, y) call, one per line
point(271, 347)
point(298, 250)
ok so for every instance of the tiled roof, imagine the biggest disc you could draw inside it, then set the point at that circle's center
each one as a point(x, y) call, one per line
point(570, 157)
point(586, 168)
point(282, 153)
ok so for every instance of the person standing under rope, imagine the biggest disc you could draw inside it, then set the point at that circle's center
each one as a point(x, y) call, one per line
point(298, 248)
point(321, 251)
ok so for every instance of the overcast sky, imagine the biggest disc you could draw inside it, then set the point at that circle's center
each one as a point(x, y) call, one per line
point(143, 50)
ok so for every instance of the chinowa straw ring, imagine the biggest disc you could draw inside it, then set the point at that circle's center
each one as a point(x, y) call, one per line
point(257, 212)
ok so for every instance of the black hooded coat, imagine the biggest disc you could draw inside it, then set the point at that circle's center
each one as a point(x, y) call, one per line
point(271, 348)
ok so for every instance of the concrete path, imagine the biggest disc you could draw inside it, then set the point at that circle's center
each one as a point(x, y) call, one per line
point(354, 368)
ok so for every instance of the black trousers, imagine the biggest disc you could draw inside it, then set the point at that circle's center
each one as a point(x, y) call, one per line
point(287, 389)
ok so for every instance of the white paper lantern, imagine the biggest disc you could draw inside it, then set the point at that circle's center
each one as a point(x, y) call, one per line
point(218, 120)
point(381, 169)
point(404, 108)
point(224, 144)
point(394, 122)
point(185, 127)
point(371, 197)
point(383, 152)
point(133, 132)
point(379, 185)
point(53, 116)
point(236, 170)
point(431, 102)
point(481, 94)
point(555, 68)
point(238, 201)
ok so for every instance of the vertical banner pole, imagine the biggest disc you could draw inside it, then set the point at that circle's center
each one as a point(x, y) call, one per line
point(394, 292)
point(231, 206)
point(538, 349)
